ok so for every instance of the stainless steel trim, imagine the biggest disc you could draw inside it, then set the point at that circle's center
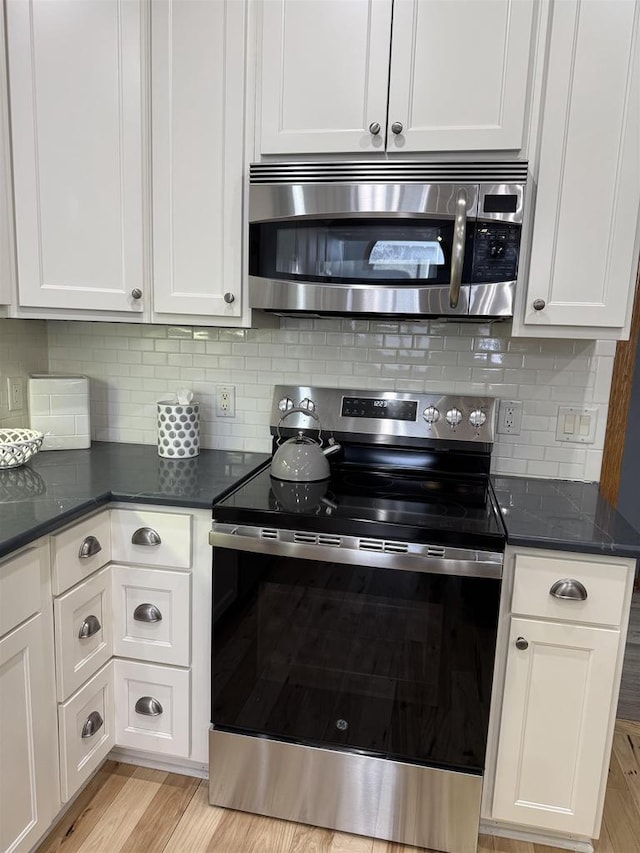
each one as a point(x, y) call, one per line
point(498, 171)
point(291, 201)
point(569, 589)
point(147, 613)
point(92, 724)
point(148, 706)
point(346, 791)
point(89, 547)
point(89, 627)
point(457, 249)
point(146, 536)
point(355, 550)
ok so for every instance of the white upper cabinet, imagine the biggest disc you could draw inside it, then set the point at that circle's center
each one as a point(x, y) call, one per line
point(75, 72)
point(453, 76)
point(459, 74)
point(584, 249)
point(6, 200)
point(197, 142)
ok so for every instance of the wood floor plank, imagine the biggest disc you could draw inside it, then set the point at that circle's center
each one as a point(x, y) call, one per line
point(510, 845)
point(380, 846)
point(120, 819)
point(231, 833)
point(485, 844)
point(626, 750)
point(159, 820)
point(344, 842)
point(621, 821)
point(198, 824)
point(616, 778)
point(311, 839)
point(71, 832)
point(604, 844)
point(268, 835)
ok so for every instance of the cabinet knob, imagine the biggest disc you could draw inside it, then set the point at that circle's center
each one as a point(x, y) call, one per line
point(522, 644)
point(538, 304)
point(89, 627)
point(146, 536)
point(229, 298)
point(569, 590)
point(91, 725)
point(147, 613)
point(397, 127)
point(374, 128)
point(148, 707)
point(89, 547)
point(136, 293)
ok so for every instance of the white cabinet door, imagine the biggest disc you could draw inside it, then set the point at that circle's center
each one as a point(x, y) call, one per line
point(459, 74)
point(584, 250)
point(552, 745)
point(324, 75)
point(198, 51)
point(29, 783)
point(75, 72)
point(6, 200)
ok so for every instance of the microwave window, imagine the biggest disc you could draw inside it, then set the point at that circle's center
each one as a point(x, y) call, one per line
point(340, 251)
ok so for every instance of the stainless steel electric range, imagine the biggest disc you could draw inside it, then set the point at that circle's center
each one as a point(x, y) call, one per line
point(355, 621)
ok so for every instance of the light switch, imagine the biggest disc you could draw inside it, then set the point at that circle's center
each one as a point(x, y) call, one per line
point(576, 425)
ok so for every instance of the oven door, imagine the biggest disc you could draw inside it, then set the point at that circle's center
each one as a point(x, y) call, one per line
point(347, 651)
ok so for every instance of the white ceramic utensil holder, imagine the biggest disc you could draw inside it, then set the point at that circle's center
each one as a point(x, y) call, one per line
point(178, 429)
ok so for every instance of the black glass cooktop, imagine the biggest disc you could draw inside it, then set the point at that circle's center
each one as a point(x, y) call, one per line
point(429, 508)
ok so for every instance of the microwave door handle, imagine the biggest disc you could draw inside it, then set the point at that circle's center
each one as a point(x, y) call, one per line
point(457, 248)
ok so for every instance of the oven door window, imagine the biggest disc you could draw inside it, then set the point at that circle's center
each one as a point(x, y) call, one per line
point(390, 663)
point(354, 251)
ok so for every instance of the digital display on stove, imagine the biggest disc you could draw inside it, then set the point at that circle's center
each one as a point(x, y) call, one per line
point(375, 407)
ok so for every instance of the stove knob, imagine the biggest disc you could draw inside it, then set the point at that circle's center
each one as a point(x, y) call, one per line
point(307, 404)
point(285, 404)
point(431, 415)
point(477, 418)
point(454, 416)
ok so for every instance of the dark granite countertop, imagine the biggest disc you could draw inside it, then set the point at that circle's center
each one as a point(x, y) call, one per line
point(56, 487)
point(563, 515)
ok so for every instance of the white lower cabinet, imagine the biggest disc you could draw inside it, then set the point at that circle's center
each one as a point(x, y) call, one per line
point(559, 659)
point(556, 707)
point(29, 784)
point(85, 728)
point(152, 707)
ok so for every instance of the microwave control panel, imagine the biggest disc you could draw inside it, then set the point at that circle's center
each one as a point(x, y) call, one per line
point(495, 252)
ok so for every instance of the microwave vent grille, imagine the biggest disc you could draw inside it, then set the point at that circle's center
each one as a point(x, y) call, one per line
point(384, 171)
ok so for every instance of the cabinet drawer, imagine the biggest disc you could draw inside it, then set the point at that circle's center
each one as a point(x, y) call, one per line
point(604, 584)
point(151, 538)
point(79, 550)
point(20, 588)
point(86, 731)
point(83, 618)
point(153, 707)
point(152, 614)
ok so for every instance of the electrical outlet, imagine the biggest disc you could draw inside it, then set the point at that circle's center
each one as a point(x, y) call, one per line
point(226, 401)
point(15, 393)
point(510, 417)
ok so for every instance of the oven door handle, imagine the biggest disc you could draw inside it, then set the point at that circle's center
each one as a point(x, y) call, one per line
point(355, 550)
point(457, 248)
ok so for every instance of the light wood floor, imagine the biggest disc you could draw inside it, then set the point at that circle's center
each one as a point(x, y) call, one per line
point(128, 809)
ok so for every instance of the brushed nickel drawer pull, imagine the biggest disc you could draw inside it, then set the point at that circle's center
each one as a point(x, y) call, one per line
point(89, 627)
point(569, 589)
point(89, 548)
point(147, 613)
point(146, 536)
point(148, 706)
point(91, 725)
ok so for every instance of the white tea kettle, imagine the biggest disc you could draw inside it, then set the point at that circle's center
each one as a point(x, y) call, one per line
point(302, 459)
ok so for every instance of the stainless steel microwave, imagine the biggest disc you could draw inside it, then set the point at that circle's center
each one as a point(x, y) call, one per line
point(385, 239)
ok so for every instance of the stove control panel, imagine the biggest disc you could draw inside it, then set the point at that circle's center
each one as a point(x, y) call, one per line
point(388, 414)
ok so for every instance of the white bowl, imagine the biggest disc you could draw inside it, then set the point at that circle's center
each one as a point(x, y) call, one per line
point(17, 446)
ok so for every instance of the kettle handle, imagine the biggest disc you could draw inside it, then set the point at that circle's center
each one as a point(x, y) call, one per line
point(298, 410)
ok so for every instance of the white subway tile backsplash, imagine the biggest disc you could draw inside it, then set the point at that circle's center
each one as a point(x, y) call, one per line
point(147, 363)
